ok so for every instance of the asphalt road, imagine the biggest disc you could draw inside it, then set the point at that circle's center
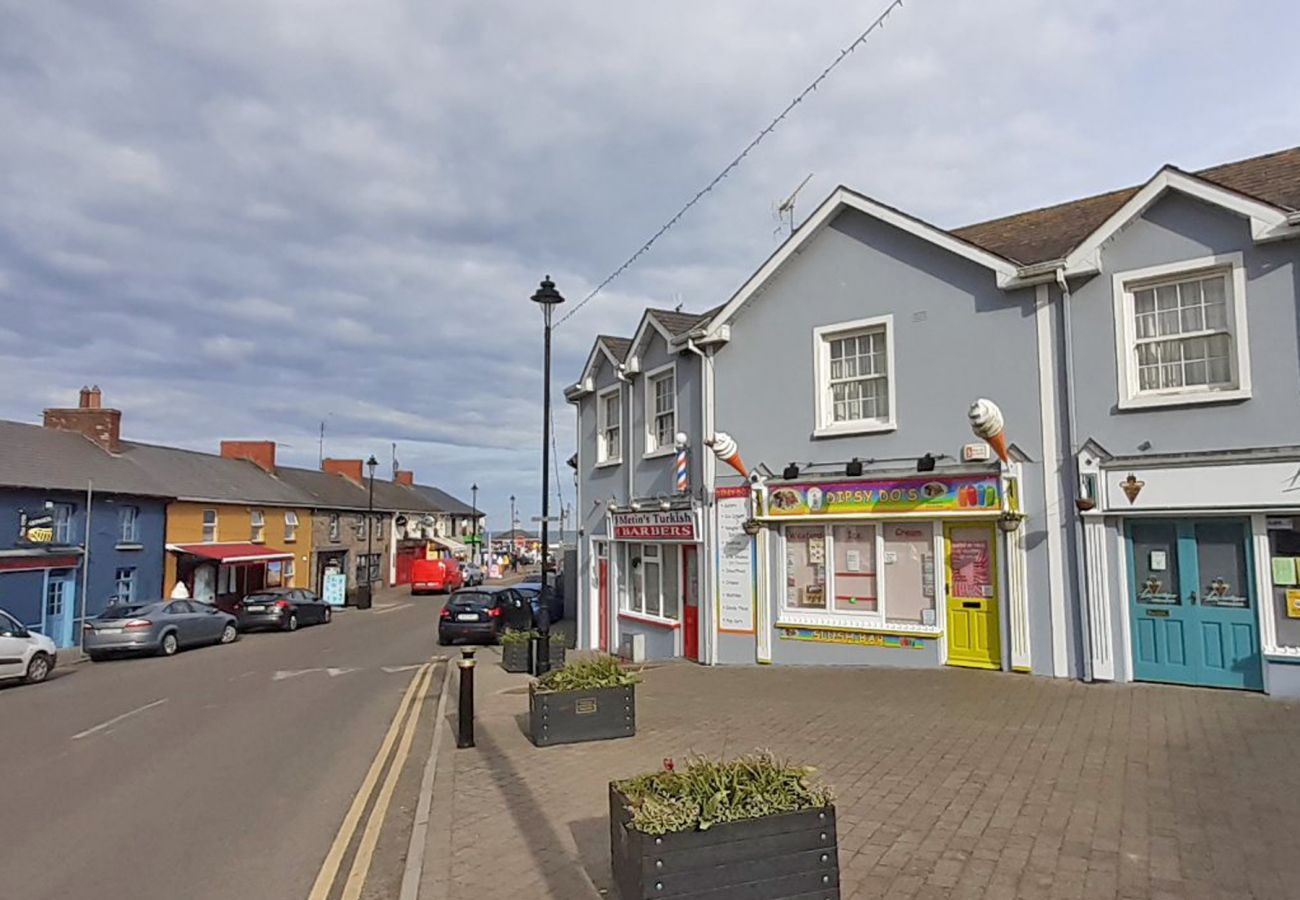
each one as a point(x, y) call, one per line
point(221, 772)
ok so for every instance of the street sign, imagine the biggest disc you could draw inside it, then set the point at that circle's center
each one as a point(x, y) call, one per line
point(546, 519)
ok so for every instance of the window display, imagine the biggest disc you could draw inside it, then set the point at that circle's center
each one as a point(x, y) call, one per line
point(648, 580)
point(855, 568)
point(909, 572)
point(1284, 549)
point(805, 567)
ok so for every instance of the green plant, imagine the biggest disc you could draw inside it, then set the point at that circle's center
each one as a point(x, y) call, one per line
point(708, 792)
point(588, 673)
point(516, 636)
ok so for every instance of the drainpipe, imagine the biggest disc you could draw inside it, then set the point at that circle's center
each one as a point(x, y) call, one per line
point(85, 569)
point(708, 472)
point(1071, 441)
point(626, 436)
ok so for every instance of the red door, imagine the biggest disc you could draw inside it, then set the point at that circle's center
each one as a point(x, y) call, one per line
point(405, 560)
point(691, 603)
point(602, 601)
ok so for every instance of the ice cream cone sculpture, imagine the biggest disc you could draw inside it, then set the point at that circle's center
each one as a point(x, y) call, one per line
point(724, 448)
point(986, 422)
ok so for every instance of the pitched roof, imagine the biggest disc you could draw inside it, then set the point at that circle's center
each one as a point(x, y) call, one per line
point(1051, 232)
point(191, 475)
point(616, 345)
point(327, 490)
point(445, 502)
point(675, 321)
point(33, 456)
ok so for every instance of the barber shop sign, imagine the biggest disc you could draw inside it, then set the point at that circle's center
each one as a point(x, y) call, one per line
point(659, 525)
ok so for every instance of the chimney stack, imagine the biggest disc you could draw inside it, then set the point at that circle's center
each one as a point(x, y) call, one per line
point(404, 476)
point(348, 468)
point(259, 453)
point(103, 426)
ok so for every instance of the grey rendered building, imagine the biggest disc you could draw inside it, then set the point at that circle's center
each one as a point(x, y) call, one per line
point(1142, 347)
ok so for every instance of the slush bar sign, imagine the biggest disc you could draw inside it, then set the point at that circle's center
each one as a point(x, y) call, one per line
point(671, 525)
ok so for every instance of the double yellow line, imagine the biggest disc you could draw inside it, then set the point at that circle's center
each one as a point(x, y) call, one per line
point(404, 722)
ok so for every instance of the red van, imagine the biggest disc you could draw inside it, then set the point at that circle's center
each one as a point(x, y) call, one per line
point(432, 575)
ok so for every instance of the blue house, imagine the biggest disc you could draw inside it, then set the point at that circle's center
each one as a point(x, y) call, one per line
point(78, 524)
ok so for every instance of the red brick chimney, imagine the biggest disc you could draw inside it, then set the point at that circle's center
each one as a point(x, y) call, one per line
point(348, 468)
point(259, 453)
point(404, 476)
point(103, 426)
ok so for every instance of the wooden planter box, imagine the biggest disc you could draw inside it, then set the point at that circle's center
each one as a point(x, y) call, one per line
point(791, 856)
point(568, 717)
point(514, 657)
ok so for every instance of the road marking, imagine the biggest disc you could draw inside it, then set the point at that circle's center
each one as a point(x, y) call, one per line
point(420, 830)
point(336, 672)
point(388, 609)
point(113, 721)
point(291, 673)
point(370, 838)
point(391, 669)
point(330, 867)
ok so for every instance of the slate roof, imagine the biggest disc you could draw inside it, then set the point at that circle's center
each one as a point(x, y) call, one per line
point(326, 490)
point(617, 345)
point(1052, 232)
point(445, 502)
point(676, 322)
point(191, 475)
point(37, 457)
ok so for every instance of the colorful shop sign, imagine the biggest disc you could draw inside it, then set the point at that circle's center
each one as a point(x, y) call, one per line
point(856, 638)
point(659, 525)
point(942, 494)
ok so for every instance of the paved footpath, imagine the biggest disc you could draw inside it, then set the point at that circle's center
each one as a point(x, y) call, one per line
point(950, 784)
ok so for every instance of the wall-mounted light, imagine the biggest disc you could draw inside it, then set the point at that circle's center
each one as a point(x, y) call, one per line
point(635, 506)
point(925, 463)
point(665, 504)
point(790, 472)
point(854, 468)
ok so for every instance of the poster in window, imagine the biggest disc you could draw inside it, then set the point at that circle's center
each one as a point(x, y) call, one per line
point(971, 571)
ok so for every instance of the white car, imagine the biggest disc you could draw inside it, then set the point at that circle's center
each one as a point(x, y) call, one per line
point(24, 654)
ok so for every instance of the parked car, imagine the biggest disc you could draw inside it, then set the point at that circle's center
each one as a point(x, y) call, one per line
point(480, 614)
point(429, 575)
point(162, 626)
point(24, 654)
point(473, 574)
point(282, 608)
point(532, 588)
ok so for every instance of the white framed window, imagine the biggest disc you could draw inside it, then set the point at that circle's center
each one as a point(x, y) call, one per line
point(609, 426)
point(653, 585)
point(124, 585)
point(128, 524)
point(854, 367)
point(290, 526)
point(660, 410)
point(256, 526)
point(1180, 333)
point(209, 526)
point(334, 527)
point(287, 573)
point(62, 515)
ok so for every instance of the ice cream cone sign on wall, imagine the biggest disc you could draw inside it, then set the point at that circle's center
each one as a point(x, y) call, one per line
point(986, 422)
point(724, 448)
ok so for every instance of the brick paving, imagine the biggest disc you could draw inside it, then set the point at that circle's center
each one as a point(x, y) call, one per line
point(950, 784)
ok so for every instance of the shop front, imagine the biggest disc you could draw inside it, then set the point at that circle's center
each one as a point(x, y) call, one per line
point(222, 574)
point(654, 556)
point(1193, 569)
point(906, 570)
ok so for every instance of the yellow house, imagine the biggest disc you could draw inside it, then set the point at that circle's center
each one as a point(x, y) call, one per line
point(227, 550)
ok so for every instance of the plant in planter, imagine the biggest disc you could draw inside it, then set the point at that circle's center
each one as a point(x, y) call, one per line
point(515, 649)
point(752, 827)
point(590, 699)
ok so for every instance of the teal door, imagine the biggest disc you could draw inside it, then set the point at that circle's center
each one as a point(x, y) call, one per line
point(60, 606)
point(1193, 604)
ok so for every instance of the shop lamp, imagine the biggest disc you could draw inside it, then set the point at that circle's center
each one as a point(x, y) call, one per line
point(665, 504)
point(752, 527)
point(925, 463)
point(790, 472)
point(634, 506)
point(854, 468)
point(1010, 521)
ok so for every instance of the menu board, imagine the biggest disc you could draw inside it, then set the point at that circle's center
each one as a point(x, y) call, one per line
point(735, 562)
point(972, 575)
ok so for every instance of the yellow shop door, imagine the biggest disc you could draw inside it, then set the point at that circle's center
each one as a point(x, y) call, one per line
point(970, 558)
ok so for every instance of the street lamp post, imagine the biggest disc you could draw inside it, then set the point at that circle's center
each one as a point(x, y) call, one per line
point(548, 298)
point(513, 523)
point(368, 595)
point(478, 554)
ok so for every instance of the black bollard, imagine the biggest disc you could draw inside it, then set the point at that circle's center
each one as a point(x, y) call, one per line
point(465, 729)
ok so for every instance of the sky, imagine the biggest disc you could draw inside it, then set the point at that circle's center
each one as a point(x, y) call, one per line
point(241, 219)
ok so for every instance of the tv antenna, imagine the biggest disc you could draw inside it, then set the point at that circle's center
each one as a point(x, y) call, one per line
point(785, 212)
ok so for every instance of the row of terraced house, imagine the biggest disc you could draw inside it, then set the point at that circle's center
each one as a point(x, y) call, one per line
point(792, 477)
point(92, 518)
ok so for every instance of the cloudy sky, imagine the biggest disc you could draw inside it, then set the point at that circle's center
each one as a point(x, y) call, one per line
point(243, 218)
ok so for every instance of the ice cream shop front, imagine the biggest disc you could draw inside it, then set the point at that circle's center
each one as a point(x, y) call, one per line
point(905, 569)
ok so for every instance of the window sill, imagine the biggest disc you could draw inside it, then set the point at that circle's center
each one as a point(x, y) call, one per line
point(648, 620)
point(656, 454)
point(1197, 398)
point(609, 463)
point(869, 622)
point(129, 545)
point(834, 431)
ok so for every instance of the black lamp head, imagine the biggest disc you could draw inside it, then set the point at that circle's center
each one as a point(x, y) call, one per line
point(854, 468)
point(925, 463)
point(546, 294)
point(790, 472)
point(372, 463)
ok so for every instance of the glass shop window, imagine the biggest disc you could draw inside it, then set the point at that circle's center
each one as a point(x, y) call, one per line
point(855, 568)
point(1284, 551)
point(909, 572)
point(805, 567)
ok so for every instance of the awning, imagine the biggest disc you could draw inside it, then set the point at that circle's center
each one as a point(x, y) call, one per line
point(452, 544)
point(230, 553)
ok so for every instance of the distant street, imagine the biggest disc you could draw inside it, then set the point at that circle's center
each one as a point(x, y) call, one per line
point(222, 772)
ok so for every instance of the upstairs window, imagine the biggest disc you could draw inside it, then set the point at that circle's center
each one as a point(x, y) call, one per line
point(609, 426)
point(334, 527)
point(209, 526)
point(661, 410)
point(290, 527)
point(128, 524)
point(257, 526)
point(854, 364)
point(1181, 333)
point(61, 513)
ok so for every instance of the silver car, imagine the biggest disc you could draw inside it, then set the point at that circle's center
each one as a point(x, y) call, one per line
point(161, 627)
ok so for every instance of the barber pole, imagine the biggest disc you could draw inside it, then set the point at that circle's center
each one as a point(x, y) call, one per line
point(683, 477)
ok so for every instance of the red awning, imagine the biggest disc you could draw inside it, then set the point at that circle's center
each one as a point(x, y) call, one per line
point(231, 553)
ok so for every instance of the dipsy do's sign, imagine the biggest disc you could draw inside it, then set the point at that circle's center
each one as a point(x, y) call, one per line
point(658, 525)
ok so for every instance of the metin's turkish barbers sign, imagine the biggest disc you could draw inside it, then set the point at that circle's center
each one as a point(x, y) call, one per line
point(659, 525)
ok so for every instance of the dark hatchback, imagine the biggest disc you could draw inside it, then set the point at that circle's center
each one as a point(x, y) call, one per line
point(481, 614)
point(283, 608)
